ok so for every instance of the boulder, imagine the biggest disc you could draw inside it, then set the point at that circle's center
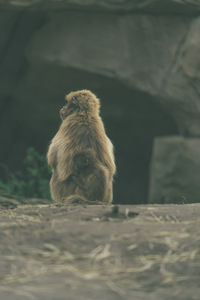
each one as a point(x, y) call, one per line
point(134, 51)
point(175, 169)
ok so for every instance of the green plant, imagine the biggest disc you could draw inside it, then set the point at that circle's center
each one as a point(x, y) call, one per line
point(32, 181)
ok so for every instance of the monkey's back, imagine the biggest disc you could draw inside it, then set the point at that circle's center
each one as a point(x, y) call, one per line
point(83, 132)
point(83, 160)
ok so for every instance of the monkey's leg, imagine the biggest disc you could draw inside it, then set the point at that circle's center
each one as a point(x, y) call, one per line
point(97, 185)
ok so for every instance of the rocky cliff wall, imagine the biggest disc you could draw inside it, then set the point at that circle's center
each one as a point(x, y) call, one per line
point(140, 57)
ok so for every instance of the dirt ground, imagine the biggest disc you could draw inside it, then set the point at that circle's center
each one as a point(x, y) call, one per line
point(99, 252)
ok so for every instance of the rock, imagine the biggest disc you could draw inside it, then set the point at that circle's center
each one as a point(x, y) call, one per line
point(182, 83)
point(98, 36)
point(157, 69)
point(175, 169)
point(155, 6)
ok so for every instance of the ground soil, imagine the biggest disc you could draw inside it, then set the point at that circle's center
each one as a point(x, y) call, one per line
point(99, 252)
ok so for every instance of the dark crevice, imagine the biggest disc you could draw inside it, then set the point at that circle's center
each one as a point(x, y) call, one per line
point(12, 59)
point(9, 42)
point(4, 106)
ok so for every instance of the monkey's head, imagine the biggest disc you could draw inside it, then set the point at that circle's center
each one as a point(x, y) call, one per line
point(82, 101)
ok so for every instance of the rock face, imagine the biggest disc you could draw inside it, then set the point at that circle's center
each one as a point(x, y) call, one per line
point(175, 170)
point(173, 6)
point(143, 62)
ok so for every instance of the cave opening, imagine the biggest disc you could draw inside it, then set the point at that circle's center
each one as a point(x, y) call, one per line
point(132, 120)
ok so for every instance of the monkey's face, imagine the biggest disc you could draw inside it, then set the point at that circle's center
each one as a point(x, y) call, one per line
point(69, 108)
point(64, 112)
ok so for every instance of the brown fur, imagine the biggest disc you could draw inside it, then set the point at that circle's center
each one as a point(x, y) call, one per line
point(81, 155)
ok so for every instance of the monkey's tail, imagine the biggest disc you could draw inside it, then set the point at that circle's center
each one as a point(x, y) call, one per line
point(78, 199)
point(75, 199)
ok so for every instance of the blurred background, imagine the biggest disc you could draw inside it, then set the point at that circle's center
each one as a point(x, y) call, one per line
point(141, 58)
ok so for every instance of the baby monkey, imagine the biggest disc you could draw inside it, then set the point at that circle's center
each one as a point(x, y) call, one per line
point(80, 154)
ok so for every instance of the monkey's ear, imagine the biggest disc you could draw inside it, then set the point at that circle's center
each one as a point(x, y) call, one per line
point(66, 99)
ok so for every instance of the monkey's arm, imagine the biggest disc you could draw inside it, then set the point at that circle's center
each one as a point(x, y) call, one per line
point(112, 160)
point(64, 163)
point(52, 156)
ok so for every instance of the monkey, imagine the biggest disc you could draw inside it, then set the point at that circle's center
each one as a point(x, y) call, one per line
point(81, 155)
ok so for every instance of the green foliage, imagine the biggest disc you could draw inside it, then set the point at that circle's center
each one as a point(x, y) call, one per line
point(32, 181)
